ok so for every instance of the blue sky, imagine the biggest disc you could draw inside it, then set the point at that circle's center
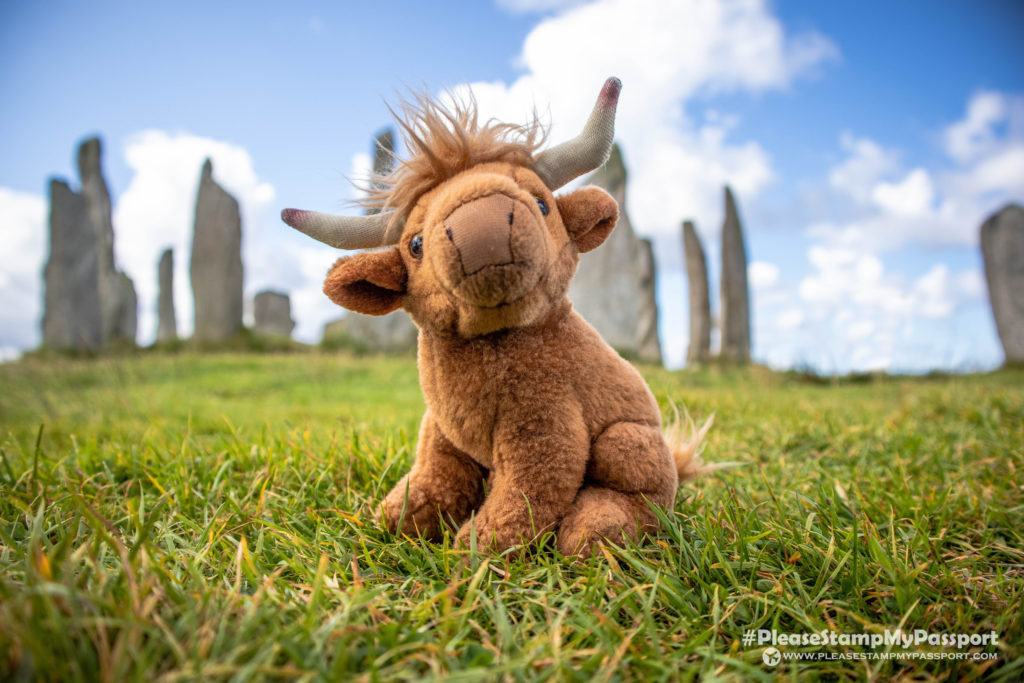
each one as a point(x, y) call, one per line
point(865, 143)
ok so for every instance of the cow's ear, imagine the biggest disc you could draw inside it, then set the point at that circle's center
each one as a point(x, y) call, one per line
point(372, 282)
point(589, 215)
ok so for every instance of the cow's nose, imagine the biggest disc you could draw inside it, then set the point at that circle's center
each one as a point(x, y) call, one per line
point(481, 231)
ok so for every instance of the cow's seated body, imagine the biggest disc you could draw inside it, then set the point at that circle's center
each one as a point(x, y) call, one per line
point(533, 423)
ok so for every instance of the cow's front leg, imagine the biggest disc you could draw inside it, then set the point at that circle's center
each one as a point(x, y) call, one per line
point(539, 465)
point(444, 484)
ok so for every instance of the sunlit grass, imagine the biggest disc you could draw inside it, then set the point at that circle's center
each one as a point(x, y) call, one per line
point(208, 517)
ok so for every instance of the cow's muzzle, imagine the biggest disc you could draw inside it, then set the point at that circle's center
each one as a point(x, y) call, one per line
point(499, 245)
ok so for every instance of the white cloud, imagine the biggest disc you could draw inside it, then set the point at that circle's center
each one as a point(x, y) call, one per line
point(157, 210)
point(942, 206)
point(666, 54)
point(870, 315)
point(867, 163)
point(864, 314)
point(24, 220)
point(974, 136)
point(912, 196)
point(861, 329)
point(789, 320)
point(762, 275)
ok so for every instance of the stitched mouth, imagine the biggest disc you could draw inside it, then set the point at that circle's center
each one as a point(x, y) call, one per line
point(496, 286)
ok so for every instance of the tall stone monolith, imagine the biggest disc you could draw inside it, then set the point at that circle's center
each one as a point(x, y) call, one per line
point(735, 293)
point(167, 319)
point(118, 303)
point(700, 302)
point(383, 152)
point(391, 333)
point(272, 314)
point(614, 286)
point(88, 302)
point(1002, 246)
point(216, 265)
point(71, 315)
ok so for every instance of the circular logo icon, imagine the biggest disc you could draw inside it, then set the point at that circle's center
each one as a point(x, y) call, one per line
point(771, 656)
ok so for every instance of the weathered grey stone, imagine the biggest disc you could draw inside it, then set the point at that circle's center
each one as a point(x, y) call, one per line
point(383, 160)
point(128, 312)
point(167, 320)
point(391, 333)
point(1002, 246)
point(383, 152)
point(216, 265)
point(700, 302)
point(614, 286)
point(272, 314)
point(71, 316)
point(735, 293)
point(118, 304)
point(89, 303)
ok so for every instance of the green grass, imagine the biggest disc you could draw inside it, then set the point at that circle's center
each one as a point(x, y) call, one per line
point(186, 517)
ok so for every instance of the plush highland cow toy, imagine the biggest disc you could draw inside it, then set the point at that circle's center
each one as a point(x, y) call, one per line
point(533, 423)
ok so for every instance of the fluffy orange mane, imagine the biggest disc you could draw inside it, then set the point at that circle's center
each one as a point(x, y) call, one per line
point(443, 141)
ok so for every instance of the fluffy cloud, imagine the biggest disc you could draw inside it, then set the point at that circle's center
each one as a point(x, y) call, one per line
point(871, 315)
point(762, 275)
point(666, 54)
point(867, 163)
point(974, 135)
point(157, 210)
point(943, 206)
point(868, 315)
point(21, 264)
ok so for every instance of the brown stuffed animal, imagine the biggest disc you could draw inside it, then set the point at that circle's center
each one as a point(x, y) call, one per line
point(533, 423)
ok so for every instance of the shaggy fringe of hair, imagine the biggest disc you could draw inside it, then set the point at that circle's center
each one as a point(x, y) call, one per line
point(443, 141)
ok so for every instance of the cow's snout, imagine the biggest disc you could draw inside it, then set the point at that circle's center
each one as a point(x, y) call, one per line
point(481, 231)
point(491, 247)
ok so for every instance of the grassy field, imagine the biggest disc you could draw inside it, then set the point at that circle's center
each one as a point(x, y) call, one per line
point(184, 517)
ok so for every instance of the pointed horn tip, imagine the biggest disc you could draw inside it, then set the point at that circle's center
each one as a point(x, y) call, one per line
point(292, 216)
point(610, 92)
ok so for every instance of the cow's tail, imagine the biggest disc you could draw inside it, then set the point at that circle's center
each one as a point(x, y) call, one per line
point(686, 441)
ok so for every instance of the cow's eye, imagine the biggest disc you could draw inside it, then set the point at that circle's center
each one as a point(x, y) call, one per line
point(543, 206)
point(416, 246)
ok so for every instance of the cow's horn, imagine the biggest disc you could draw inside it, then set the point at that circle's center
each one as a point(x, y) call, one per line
point(590, 149)
point(344, 232)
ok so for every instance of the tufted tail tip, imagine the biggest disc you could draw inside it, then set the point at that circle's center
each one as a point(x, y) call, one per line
point(686, 441)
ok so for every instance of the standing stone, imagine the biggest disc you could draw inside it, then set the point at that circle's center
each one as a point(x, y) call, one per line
point(118, 303)
point(1002, 246)
point(167, 321)
point(383, 161)
point(128, 311)
point(272, 313)
point(391, 333)
point(383, 152)
point(700, 303)
point(71, 318)
point(216, 266)
point(614, 286)
point(735, 293)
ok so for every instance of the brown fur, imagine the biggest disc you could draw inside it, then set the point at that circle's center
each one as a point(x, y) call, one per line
point(521, 392)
